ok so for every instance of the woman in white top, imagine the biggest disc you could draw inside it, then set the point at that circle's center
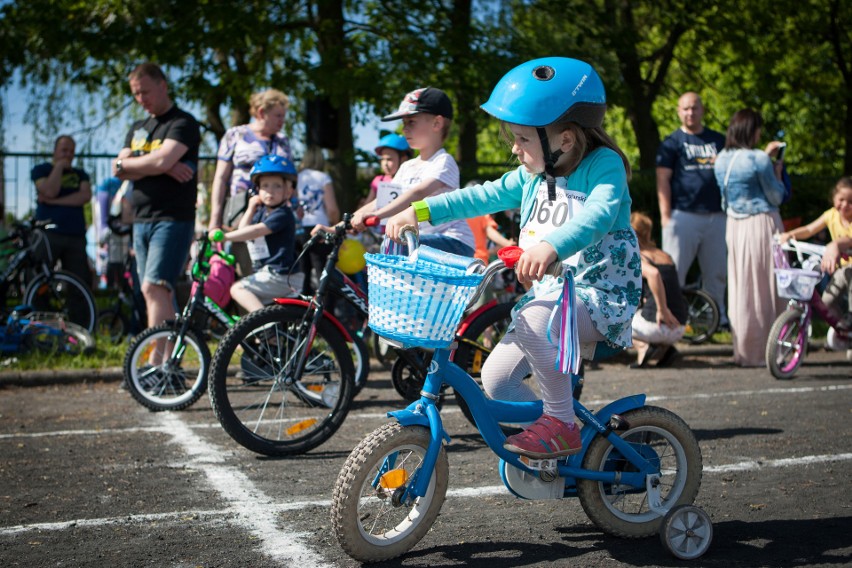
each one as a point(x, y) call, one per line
point(319, 205)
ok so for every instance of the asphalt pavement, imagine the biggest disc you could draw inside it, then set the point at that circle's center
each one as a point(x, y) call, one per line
point(90, 478)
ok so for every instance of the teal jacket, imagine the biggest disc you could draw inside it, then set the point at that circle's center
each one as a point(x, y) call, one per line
point(600, 176)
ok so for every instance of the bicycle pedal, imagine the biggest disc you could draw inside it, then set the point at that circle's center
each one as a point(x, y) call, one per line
point(546, 465)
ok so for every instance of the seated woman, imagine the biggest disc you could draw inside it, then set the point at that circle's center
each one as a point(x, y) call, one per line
point(659, 323)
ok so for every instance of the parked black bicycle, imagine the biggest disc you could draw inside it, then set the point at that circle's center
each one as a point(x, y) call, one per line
point(30, 278)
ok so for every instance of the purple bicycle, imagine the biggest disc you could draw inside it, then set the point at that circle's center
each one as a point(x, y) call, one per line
point(787, 345)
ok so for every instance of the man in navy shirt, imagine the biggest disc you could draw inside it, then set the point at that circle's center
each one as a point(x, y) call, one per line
point(61, 193)
point(691, 213)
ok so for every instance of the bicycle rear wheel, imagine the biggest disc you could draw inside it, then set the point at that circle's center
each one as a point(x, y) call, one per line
point(70, 339)
point(261, 399)
point(665, 440)
point(112, 324)
point(62, 292)
point(702, 317)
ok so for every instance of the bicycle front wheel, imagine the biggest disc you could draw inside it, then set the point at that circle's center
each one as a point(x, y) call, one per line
point(370, 515)
point(62, 292)
point(260, 397)
point(166, 371)
point(787, 344)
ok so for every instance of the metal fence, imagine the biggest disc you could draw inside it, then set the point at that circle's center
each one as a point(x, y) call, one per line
point(18, 191)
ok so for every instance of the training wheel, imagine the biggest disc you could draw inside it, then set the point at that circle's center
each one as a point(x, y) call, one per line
point(686, 532)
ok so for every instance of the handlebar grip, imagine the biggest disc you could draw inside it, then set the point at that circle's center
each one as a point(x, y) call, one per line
point(218, 236)
point(229, 259)
point(372, 221)
point(511, 254)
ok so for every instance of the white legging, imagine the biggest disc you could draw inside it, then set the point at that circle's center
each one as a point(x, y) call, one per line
point(526, 349)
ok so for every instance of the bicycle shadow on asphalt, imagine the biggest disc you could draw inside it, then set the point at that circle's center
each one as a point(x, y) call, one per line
point(728, 433)
point(779, 543)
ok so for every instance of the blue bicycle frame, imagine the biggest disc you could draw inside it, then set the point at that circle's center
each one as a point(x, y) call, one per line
point(489, 413)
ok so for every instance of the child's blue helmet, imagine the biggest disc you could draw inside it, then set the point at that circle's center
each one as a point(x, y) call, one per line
point(395, 142)
point(545, 91)
point(273, 164)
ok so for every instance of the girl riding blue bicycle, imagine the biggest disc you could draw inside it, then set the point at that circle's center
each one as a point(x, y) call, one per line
point(571, 188)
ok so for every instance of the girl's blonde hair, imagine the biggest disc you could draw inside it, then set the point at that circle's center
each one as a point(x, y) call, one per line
point(643, 226)
point(312, 159)
point(267, 100)
point(586, 141)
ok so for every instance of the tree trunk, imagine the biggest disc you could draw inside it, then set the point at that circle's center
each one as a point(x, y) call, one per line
point(466, 109)
point(331, 81)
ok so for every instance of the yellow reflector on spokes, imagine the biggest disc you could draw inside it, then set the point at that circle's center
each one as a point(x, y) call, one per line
point(315, 388)
point(300, 426)
point(393, 479)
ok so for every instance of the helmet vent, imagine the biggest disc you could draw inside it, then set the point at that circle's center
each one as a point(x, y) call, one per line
point(544, 72)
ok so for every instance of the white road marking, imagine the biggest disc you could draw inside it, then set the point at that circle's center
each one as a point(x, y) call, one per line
point(249, 504)
point(269, 509)
point(754, 465)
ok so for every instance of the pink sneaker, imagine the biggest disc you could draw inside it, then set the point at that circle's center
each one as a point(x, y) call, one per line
point(547, 437)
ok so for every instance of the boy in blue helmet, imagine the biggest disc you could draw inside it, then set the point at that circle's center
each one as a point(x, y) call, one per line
point(571, 188)
point(269, 228)
point(393, 150)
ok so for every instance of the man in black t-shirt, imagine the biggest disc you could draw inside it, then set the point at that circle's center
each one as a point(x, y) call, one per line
point(160, 156)
point(691, 215)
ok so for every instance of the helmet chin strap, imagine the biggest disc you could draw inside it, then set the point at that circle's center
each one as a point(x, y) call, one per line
point(550, 158)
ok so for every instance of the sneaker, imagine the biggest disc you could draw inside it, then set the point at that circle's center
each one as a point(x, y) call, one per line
point(149, 376)
point(667, 357)
point(547, 437)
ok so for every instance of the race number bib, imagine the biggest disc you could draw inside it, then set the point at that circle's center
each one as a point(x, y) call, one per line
point(257, 249)
point(386, 191)
point(547, 216)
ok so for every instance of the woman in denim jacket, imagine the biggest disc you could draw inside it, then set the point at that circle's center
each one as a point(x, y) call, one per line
point(752, 190)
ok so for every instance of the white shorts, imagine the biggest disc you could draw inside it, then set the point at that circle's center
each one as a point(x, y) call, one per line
point(650, 332)
point(268, 285)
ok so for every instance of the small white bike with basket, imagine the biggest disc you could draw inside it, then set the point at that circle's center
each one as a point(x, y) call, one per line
point(637, 474)
point(787, 345)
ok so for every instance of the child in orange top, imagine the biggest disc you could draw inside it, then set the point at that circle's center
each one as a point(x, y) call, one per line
point(838, 221)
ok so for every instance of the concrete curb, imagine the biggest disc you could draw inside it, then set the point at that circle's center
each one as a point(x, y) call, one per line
point(59, 377)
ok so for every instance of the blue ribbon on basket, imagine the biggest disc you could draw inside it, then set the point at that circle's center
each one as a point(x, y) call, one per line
point(568, 355)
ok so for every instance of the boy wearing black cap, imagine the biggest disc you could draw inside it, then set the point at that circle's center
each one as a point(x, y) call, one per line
point(426, 116)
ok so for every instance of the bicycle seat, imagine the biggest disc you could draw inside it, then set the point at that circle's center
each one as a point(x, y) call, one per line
point(598, 351)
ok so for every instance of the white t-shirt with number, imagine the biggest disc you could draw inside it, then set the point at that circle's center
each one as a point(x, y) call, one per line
point(548, 216)
point(442, 167)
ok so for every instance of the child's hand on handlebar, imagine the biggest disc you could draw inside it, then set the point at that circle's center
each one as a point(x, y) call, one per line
point(534, 262)
point(830, 258)
point(393, 229)
point(357, 222)
point(324, 229)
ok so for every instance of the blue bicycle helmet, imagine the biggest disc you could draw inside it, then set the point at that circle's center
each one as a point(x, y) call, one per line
point(395, 142)
point(545, 91)
point(273, 164)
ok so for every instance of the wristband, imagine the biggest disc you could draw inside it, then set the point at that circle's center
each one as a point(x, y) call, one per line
point(421, 209)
